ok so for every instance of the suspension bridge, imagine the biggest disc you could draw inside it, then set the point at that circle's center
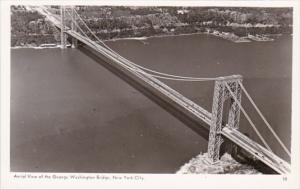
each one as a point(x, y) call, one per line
point(227, 88)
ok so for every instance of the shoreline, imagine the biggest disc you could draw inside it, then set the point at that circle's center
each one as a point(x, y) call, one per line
point(238, 40)
point(34, 47)
point(154, 36)
point(235, 40)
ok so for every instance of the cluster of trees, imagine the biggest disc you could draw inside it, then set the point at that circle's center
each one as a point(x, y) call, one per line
point(29, 27)
point(131, 22)
point(279, 19)
point(139, 20)
point(280, 16)
point(35, 40)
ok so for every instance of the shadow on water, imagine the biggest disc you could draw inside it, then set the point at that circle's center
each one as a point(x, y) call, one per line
point(195, 125)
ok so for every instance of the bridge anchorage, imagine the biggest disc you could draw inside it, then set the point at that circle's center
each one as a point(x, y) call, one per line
point(226, 89)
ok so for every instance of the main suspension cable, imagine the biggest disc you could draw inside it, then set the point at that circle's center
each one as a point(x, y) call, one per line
point(182, 78)
point(164, 75)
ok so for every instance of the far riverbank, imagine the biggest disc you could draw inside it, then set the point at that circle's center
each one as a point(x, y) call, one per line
point(223, 35)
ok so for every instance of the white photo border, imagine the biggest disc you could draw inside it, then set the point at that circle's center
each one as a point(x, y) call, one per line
point(149, 180)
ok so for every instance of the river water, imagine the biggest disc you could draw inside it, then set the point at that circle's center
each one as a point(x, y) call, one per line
point(69, 114)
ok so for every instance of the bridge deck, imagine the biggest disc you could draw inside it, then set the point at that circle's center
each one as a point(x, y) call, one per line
point(235, 136)
point(179, 99)
point(256, 150)
point(238, 138)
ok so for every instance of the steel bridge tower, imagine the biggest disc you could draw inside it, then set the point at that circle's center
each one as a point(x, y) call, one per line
point(73, 27)
point(221, 94)
point(63, 36)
